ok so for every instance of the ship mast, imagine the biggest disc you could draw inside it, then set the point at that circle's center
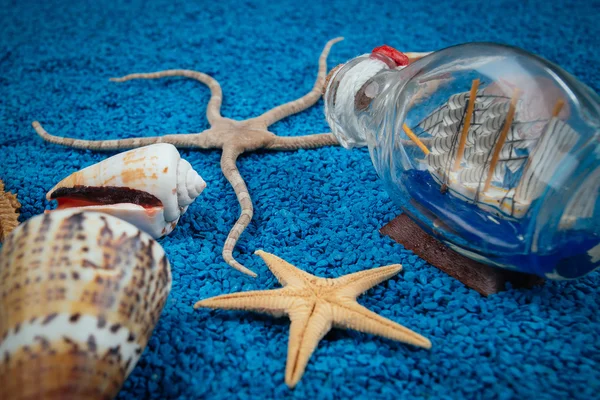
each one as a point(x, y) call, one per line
point(502, 138)
point(467, 124)
point(415, 138)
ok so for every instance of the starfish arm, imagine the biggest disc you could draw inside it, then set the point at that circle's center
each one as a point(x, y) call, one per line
point(275, 302)
point(213, 110)
point(348, 314)
point(310, 323)
point(286, 273)
point(303, 142)
point(232, 174)
point(355, 284)
point(197, 140)
point(306, 101)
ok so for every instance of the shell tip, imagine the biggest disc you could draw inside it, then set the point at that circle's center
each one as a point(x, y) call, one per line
point(200, 184)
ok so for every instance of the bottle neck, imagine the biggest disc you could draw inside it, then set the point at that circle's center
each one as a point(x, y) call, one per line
point(351, 96)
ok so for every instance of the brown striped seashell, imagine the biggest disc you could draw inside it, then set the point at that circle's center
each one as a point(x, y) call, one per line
point(80, 294)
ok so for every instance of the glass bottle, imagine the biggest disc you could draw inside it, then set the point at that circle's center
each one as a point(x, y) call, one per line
point(491, 149)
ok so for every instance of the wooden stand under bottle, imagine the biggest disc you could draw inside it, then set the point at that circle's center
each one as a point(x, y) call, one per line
point(480, 277)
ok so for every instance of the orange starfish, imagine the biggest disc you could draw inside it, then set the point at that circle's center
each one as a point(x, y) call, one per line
point(315, 305)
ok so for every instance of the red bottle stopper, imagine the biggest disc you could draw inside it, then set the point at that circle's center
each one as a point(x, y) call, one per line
point(399, 58)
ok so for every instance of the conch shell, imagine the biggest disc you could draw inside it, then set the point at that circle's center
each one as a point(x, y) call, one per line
point(80, 293)
point(150, 187)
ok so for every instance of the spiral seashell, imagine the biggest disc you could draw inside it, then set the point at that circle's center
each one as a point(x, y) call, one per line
point(189, 184)
point(150, 187)
point(81, 293)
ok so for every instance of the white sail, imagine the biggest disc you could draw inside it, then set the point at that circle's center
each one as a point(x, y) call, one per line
point(459, 100)
point(478, 174)
point(443, 159)
point(440, 161)
point(440, 145)
point(498, 108)
point(452, 113)
point(493, 124)
point(443, 130)
point(484, 157)
point(557, 140)
point(488, 118)
point(485, 143)
point(448, 121)
point(583, 201)
point(433, 120)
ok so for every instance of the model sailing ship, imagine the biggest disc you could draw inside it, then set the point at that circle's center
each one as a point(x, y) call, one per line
point(482, 151)
point(506, 173)
point(482, 148)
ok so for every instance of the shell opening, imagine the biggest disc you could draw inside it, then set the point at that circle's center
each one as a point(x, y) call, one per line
point(88, 196)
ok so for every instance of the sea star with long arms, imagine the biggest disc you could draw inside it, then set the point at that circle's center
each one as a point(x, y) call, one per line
point(314, 305)
point(232, 137)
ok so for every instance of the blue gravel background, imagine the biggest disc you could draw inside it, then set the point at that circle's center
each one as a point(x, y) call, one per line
point(319, 209)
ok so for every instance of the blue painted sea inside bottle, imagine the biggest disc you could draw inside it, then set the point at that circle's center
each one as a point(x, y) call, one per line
point(492, 150)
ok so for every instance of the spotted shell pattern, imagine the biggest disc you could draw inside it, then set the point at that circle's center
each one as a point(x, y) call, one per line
point(80, 294)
